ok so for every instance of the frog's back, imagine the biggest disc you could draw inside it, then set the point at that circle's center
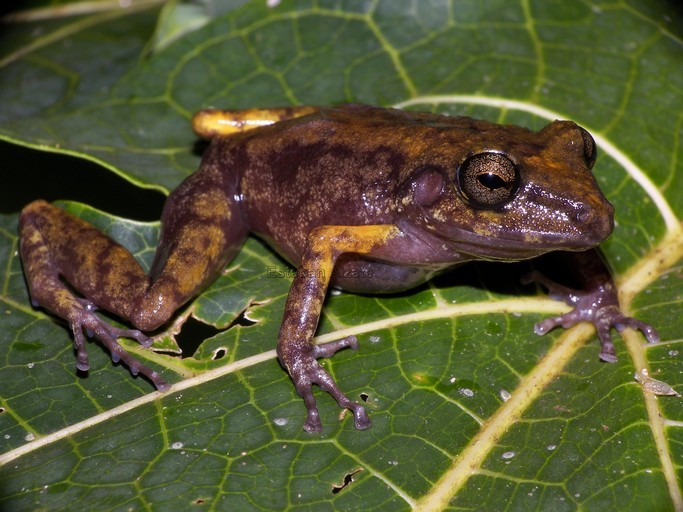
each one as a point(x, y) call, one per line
point(336, 166)
point(340, 165)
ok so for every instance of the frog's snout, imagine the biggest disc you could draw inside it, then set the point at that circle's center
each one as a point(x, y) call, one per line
point(596, 221)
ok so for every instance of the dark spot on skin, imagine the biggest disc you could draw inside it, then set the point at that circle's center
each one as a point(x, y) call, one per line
point(384, 157)
point(348, 480)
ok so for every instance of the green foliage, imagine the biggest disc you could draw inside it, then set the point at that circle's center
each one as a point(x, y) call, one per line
point(470, 409)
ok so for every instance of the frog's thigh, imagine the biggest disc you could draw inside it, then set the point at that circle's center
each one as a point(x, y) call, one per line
point(202, 229)
point(55, 244)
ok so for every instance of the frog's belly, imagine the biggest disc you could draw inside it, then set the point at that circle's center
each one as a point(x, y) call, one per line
point(368, 276)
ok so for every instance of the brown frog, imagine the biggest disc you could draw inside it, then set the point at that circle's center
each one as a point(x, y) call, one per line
point(389, 196)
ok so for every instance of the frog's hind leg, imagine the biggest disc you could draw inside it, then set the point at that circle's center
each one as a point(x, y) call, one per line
point(201, 231)
point(58, 248)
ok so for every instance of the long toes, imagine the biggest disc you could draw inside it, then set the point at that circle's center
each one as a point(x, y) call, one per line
point(607, 353)
point(547, 325)
point(108, 335)
point(332, 347)
point(313, 424)
point(650, 332)
point(361, 418)
point(310, 372)
point(82, 362)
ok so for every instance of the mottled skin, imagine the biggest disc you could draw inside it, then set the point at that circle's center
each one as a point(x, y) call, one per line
point(362, 198)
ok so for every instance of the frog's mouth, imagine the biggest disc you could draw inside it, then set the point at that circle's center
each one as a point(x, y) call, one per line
point(522, 245)
point(528, 230)
point(497, 250)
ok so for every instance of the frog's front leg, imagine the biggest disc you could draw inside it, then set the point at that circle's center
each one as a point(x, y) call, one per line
point(72, 269)
point(296, 349)
point(597, 303)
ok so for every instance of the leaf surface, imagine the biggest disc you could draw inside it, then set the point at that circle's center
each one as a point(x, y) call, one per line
point(470, 409)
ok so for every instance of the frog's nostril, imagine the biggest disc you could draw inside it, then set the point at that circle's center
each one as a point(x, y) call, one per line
point(595, 221)
point(582, 215)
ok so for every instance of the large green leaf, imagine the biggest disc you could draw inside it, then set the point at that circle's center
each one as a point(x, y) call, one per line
point(470, 409)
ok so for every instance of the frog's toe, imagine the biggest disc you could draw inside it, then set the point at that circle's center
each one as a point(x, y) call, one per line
point(567, 320)
point(361, 418)
point(82, 362)
point(108, 335)
point(332, 347)
point(305, 390)
point(556, 290)
point(141, 338)
point(610, 317)
point(607, 352)
point(312, 425)
point(306, 372)
point(648, 331)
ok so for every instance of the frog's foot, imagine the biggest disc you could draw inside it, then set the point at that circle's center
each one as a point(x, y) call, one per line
point(86, 320)
point(599, 307)
point(306, 371)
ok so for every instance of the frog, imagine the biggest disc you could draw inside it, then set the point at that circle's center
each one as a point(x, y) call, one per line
point(355, 197)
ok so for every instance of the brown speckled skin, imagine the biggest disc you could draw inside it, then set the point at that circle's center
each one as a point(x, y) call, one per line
point(359, 197)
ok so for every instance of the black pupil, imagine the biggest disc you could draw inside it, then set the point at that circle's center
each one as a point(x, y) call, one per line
point(488, 179)
point(491, 181)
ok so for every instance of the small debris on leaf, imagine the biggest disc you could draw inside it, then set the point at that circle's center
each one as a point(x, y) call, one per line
point(654, 386)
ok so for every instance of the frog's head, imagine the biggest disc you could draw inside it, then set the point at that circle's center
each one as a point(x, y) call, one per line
point(513, 194)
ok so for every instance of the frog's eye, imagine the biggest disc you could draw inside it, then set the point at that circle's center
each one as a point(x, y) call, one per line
point(488, 180)
point(590, 151)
